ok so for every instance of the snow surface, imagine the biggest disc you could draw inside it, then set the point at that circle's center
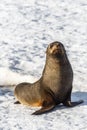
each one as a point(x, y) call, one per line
point(26, 29)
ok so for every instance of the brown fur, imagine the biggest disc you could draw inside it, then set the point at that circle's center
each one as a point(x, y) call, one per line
point(54, 86)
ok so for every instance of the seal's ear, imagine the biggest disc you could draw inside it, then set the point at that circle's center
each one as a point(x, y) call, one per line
point(63, 49)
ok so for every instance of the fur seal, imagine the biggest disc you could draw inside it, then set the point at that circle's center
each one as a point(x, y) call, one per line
point(54, 86)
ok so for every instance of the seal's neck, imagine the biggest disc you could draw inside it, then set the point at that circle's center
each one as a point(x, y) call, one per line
point(51, 64)
point(54, 63)
point(57, 60)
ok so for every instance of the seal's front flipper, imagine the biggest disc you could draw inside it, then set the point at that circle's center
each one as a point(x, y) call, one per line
point(72, 104)
point(44, 110)
point(17, 102)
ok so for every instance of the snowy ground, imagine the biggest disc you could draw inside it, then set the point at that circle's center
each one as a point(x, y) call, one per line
point(26, 28)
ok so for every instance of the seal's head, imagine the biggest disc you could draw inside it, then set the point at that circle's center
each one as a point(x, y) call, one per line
point(56, 49)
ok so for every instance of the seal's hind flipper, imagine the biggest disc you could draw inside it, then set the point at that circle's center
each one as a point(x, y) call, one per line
point(44, 110)
point(76, 103)
point(72, 104)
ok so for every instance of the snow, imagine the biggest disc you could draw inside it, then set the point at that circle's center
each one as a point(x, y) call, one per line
point(26, 29)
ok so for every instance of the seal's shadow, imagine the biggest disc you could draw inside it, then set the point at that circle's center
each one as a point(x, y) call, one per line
point(80, 96)
point(6, 92)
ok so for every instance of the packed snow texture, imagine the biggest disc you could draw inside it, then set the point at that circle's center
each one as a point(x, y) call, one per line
point(26, 29)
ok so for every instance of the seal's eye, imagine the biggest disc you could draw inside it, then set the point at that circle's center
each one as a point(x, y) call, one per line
point(51, 45)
